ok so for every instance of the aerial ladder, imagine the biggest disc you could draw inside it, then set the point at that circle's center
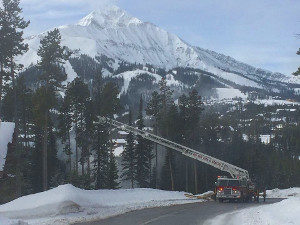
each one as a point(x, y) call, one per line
point(234, 171)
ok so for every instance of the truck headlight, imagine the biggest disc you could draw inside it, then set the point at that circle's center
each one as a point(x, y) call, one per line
point(237, 192)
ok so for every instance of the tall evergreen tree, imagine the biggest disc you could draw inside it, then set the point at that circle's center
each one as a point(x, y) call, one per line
point(153, 108)
point(12, 26)
point(107, 103)
point(53, 56)
point(112, 171)
point(128, 156)
point(143, 153)
point(194, 109)
point(78, 97)
point(64, 128)
point(11, 29)
point(100, 149)
point(42, 101)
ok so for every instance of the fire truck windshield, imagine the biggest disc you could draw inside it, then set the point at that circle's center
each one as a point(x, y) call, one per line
point(228, 182)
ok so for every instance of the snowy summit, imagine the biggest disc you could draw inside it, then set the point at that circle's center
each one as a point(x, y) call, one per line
point(111, 16)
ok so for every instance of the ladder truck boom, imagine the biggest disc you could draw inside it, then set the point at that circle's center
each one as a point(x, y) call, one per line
point(234, 171)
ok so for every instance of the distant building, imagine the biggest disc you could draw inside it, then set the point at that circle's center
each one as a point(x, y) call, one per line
point(266, 138)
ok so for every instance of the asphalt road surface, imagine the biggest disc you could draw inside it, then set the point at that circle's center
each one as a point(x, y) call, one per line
point(188, 214)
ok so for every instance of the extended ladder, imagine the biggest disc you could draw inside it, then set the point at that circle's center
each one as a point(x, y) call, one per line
point(234, 171)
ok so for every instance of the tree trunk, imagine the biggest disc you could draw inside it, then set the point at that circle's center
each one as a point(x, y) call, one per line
point(82, 167)
point(171, 173)
point(150, 171)
point(196, 177)
point(45, 154)
point(186, 176)
point(76, 148)
point(1, 86)
point(18, 149)
point(70, 153)
point(88, 162)
point(156, 161)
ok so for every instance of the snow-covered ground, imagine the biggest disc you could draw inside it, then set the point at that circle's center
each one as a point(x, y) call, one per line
point(66, 204)
point(286, 212)
point(6, 135)
point(6, 221)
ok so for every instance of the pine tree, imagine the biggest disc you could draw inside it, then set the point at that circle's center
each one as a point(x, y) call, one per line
point(12, 26)
point(128, 156)
point(11, 38)
point(53, 56)
point(194, 109)
point(153, 108)
point(143, 154)
point(78, 97)
point(64, 127)
point(169, 171)
point(298, 71)
point(166, 102)
point(3, 54)
point(42, 101)
point(112, 172)
point(100, 149)
point(106, 97)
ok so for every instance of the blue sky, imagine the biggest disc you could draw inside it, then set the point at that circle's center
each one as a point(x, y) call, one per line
point(258, 32)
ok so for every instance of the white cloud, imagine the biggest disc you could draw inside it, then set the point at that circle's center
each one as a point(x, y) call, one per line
point(84, 4)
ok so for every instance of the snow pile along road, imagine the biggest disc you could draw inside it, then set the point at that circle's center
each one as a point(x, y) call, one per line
point(66, 204)
point(281, 213)
point(285, 193)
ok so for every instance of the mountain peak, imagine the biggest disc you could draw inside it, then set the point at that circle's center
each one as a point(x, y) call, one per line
point(109, 16)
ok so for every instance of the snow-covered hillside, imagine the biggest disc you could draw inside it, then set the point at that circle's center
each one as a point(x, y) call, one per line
point(66, 204)
point(116, 34)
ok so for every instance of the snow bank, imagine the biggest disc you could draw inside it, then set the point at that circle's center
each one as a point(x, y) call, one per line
point(6, 221)
point(66, 204)
point(281, 213)
point(284, 193)
point(6, 135)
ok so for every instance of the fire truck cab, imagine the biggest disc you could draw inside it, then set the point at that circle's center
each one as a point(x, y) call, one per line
point(231, 189)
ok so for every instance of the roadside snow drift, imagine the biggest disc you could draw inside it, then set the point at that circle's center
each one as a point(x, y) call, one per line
point(285, 193)
point(67, 203)
point(281, 213)
point(6, 135)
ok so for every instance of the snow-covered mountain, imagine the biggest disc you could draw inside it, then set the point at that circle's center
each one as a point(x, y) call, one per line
point(114, 33)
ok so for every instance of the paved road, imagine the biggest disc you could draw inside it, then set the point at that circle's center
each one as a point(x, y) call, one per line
point(188, 214)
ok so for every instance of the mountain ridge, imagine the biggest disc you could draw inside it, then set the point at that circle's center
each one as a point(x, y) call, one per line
point(113, 32)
